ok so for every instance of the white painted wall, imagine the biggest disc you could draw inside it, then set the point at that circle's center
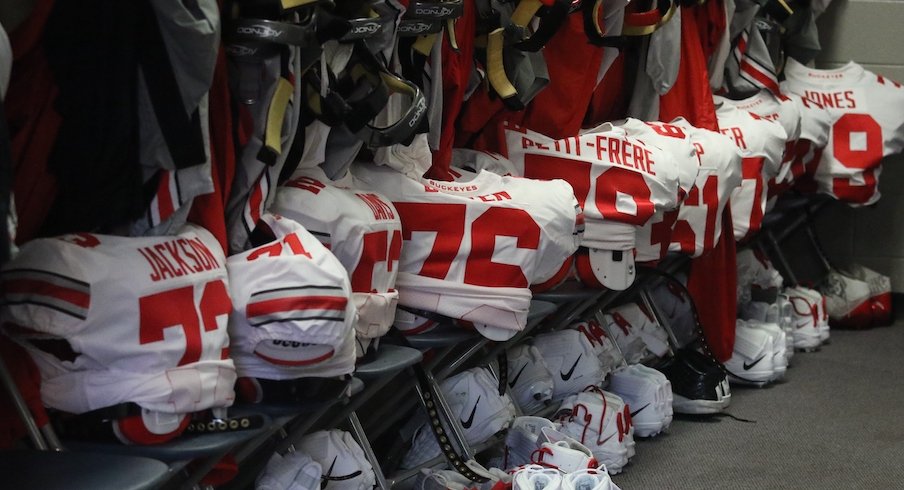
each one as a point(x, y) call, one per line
point(870, 32)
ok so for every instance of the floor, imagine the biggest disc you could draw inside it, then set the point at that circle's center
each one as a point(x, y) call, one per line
point(837, 421)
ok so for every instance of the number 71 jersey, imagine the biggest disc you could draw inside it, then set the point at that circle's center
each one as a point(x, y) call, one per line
point(473, 246)
point(111, 319)
point(867, 115)
point(361, 228)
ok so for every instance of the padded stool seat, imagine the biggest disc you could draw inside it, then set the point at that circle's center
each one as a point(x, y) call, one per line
point(540, 310)
point(390, 358)
point(441, 336)
point(49, 470)
point(567, 293)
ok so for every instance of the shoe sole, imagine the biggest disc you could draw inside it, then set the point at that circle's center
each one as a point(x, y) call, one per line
point(686, 406)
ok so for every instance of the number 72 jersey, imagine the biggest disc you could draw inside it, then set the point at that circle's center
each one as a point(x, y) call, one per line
point(111, 319)
point(867, 114)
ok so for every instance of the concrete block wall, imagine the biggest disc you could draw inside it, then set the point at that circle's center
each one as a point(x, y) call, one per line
point(868, 32)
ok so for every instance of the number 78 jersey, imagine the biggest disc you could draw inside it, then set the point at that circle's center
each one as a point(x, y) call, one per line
point(618, 180)
point(867, 115)
point(472, 247)
point(111, 319)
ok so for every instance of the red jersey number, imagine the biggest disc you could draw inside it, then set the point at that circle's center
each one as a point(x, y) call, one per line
point(448, 222)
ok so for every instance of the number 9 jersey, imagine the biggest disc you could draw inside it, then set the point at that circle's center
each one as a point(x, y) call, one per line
point(110, 320)
point(867, 114)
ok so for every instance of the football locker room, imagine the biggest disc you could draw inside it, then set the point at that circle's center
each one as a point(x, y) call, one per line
point(450, 244)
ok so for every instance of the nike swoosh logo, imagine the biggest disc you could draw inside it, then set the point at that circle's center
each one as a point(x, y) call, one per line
point(639, 410)
point(748, 366)
point(328, 477)
point(467, 423)
point(514, 380)
point(567, 376)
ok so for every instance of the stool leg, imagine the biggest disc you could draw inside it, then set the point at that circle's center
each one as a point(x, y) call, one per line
point(357, 431)
point(22, 408)
point(780, 258)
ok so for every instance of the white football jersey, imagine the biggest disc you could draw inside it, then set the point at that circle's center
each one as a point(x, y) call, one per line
point(815, 125)
point(867, 115)
point(292, 311)
point(803, 133)
point(361, 228)
point(618, 180)
point(654, 237)
point(473, 246)
point(111, 319)
point(762, 143)
point(699, 224)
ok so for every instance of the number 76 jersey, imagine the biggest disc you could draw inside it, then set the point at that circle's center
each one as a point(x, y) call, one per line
point(111, 319)
point(473, 246)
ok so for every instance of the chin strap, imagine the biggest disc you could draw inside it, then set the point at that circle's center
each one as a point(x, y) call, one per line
point(428, 390)
point(646, 23)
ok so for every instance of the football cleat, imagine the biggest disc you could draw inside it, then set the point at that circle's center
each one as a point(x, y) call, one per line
point(589, 479)
point(561, 452)
point(341, 458)
point(529, 378)
point(522, 440)
point(605, 349)
point(601, 421)
point(805, 318)
point(295, 470)
point(777, 314)
point(571, 360)
point(637, 334)
point(474, 398)
point(642, 389)
point(677, 308)
point(779, 346)
point(751, 361)
point(536, 477)
point(848, 301)
point(699, 385)
point(880, 292)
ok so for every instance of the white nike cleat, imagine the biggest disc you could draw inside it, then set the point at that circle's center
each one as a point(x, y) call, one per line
point(564, 453)
point(643, 394)
point(605, 348)
point(598, 420)
point(786, 322)
point(295, 470)
point(779, 346)
point(589, 479)
point(805, 310)
point(847, 301)
point(522, 440)
point(529, 378)
point(473, 397)
point(637, 334)
point(572, 361)
point(536, 477)
point(341, 458)
point(751, 361)
point(880, 292)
